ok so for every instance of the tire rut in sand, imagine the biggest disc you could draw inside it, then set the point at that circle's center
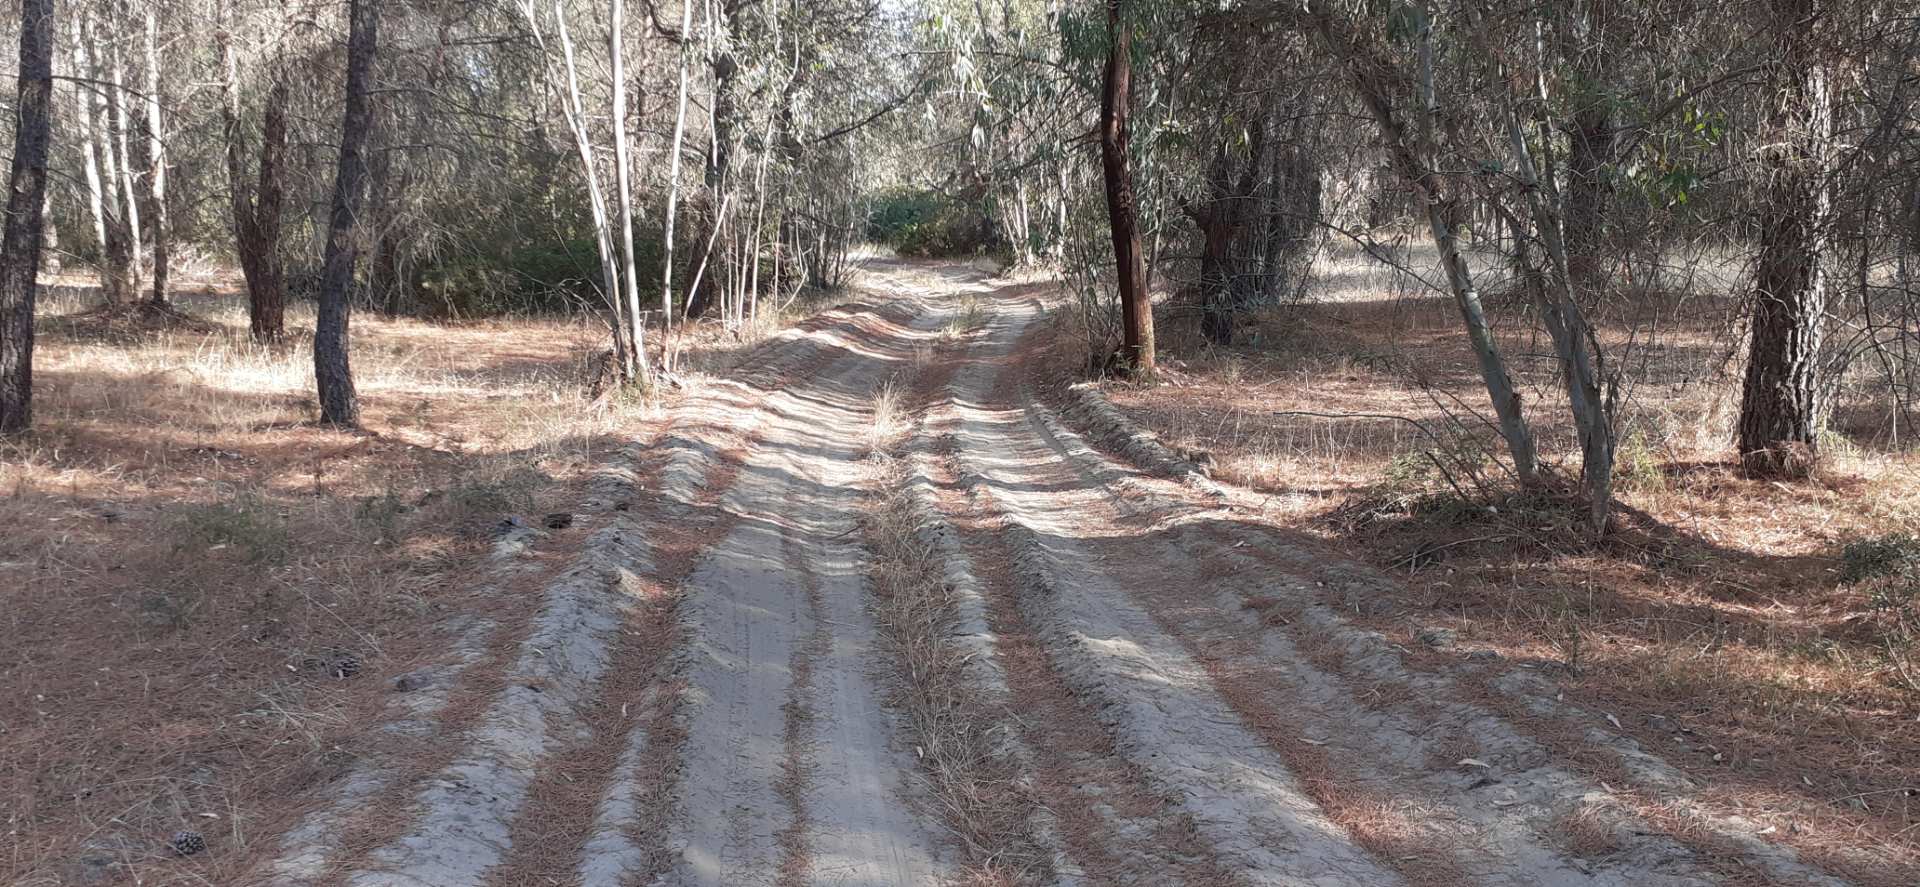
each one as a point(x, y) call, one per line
point(797, 733)
point(750, 621)
point(1536, 806)
point(1115, 825)
point(1444, 793)
point(381, 811)
point(576, 822)
point(500, 774)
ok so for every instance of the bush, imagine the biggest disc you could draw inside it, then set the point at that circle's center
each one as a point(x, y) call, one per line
point(1882, 557)
point(1636, 464)
point(1888, 569)
point(928, 224)
point(539, 277)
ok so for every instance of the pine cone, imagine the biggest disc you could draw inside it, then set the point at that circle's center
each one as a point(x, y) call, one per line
point(187, 843)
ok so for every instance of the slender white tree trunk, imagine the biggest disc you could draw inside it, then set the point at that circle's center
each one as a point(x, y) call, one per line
point(631, 352)
point(83, 99)
point(673, 176)
point(156, 164)
point(623, 162)
point(122, 128)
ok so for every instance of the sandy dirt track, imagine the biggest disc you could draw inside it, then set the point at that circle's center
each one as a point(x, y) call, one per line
point(706, 696)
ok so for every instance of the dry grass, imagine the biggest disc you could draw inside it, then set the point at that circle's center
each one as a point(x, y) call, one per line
point(188, 556)
point(889, 419)
point(1717, 613)
point(958, 738)
point(1587, 830)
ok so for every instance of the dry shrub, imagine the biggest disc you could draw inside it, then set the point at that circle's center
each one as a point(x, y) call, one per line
point(889, 419)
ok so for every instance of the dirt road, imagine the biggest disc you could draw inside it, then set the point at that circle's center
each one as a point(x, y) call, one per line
point(1158, 688)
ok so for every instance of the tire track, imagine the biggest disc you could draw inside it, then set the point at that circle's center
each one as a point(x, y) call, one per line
point(1534, 815)
point(503, 773)
point(797, 735)
point(751, 622)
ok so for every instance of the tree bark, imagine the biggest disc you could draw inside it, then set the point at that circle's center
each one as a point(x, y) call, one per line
point(120, 138)
point(1219, 220)
point(1592, 145)
point(1137, 347)
point(673, 176)
point(331, 369)
point(1780, 407)
point(20, 241)
point(633, 356)
point(719, 168)
point(256, 215)
point(109, 195)
point(623, 165)
point(1582, 362)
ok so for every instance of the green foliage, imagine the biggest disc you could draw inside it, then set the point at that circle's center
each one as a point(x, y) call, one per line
point(1880, 557)
point(1669, 173)
point(922, 223)
point(243, 522)
point(536, 277)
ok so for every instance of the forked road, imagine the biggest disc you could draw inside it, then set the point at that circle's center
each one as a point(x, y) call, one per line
point(706, 697)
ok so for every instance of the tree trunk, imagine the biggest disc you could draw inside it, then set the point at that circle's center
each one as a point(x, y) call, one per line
point(156, 157)
point(1409, 152)
point(331, 369)
point(633, 356)
point(719, 169)
point(256, 216)
point(26, 195)
point(1780, 408)
point(119, 132)
point(623, 164)
point(673, 176)
point(1582, 362)
point(1137, 351)
point(98, 102)
point(1219, 221)
point(50, 252)
point(1593, 144)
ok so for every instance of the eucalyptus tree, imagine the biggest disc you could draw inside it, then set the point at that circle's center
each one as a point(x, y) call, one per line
point(1116, 98)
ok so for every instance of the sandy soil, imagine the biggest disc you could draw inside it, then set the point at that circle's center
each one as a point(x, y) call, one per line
point(712, 693)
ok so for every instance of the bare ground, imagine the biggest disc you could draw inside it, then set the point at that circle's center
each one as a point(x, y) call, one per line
point(873, 613)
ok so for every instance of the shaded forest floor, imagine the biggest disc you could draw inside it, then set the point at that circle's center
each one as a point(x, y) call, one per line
point(1715, 626)
point(199, 578)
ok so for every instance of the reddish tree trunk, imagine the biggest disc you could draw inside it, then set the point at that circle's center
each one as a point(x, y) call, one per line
point(1137, 351)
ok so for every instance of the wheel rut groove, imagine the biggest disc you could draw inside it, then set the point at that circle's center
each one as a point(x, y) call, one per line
point(1049, 667)
point(749, 621)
